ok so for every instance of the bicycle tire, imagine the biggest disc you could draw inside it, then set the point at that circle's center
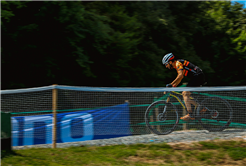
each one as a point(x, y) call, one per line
point(218, 115)
point(159, 121)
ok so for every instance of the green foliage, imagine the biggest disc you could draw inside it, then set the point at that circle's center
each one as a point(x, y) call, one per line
point(202, 156)
point(235, 149)
point(101, 43)
point(7, 153)
point(230, 27)
point(48, 41)
point(120, 48)
point(209, 145)
point(8, 6)
point(138, 154)
point(237, 153)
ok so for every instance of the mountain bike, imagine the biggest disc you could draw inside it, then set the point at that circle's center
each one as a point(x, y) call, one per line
point(212, 113)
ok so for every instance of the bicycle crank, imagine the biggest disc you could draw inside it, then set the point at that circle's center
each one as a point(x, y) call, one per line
point(215, 114)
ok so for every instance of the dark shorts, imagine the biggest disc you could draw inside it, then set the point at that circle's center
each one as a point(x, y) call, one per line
point(197, 80)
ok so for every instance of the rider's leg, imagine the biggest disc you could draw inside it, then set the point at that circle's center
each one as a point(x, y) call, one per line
point(196, 81)
point(188, 101)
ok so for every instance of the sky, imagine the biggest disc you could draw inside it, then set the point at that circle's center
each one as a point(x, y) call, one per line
point(240, 1)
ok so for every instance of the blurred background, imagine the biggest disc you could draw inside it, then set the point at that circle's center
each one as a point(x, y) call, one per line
point(120, 44)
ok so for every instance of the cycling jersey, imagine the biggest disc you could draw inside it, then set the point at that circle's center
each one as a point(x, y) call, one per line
point(188, 68)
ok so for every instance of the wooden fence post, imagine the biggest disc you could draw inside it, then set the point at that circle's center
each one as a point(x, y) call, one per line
point(184, 112)
point(54, 108)
point(184, 124)
point(156, 115)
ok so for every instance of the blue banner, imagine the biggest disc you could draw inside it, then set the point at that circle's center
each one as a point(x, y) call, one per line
point(77, 126)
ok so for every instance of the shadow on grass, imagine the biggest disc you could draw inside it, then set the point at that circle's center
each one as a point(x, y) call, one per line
point(7, 153)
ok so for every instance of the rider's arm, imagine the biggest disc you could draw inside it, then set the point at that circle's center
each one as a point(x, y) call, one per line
point(178, 79)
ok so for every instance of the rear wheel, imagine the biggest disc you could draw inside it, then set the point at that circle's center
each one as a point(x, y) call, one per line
point(214, 114)
point(161, 117)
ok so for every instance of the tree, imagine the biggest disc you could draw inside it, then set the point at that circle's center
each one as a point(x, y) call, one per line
point(48, 40)
point(223, 33)
point(119, 43)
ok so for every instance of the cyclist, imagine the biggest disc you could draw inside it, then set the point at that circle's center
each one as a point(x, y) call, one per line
point(185, 68)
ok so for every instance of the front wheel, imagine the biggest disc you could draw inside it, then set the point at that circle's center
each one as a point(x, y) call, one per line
point(215, 114)
point(161, 117)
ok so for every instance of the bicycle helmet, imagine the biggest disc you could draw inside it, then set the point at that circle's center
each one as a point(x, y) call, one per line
point(167, 58)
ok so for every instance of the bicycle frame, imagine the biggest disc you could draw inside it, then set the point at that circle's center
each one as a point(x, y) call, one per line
point(172, 94)
point(206, 114)
point(179, 100)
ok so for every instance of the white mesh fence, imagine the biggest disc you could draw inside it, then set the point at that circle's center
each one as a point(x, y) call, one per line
point(113, 112)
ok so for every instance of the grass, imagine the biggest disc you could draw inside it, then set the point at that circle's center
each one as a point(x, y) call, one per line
point(202, 153)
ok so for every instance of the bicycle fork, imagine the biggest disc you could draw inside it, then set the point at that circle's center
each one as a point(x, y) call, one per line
point(163, 116)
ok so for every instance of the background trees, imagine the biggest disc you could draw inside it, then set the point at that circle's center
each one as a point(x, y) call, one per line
point(119, 43)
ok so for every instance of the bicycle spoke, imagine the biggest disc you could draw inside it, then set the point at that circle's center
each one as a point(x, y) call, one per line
point(161, 117)
point(217, 115)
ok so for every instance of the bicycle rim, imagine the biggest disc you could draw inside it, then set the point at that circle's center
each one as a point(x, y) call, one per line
point(218, 115)
point(161, 117)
